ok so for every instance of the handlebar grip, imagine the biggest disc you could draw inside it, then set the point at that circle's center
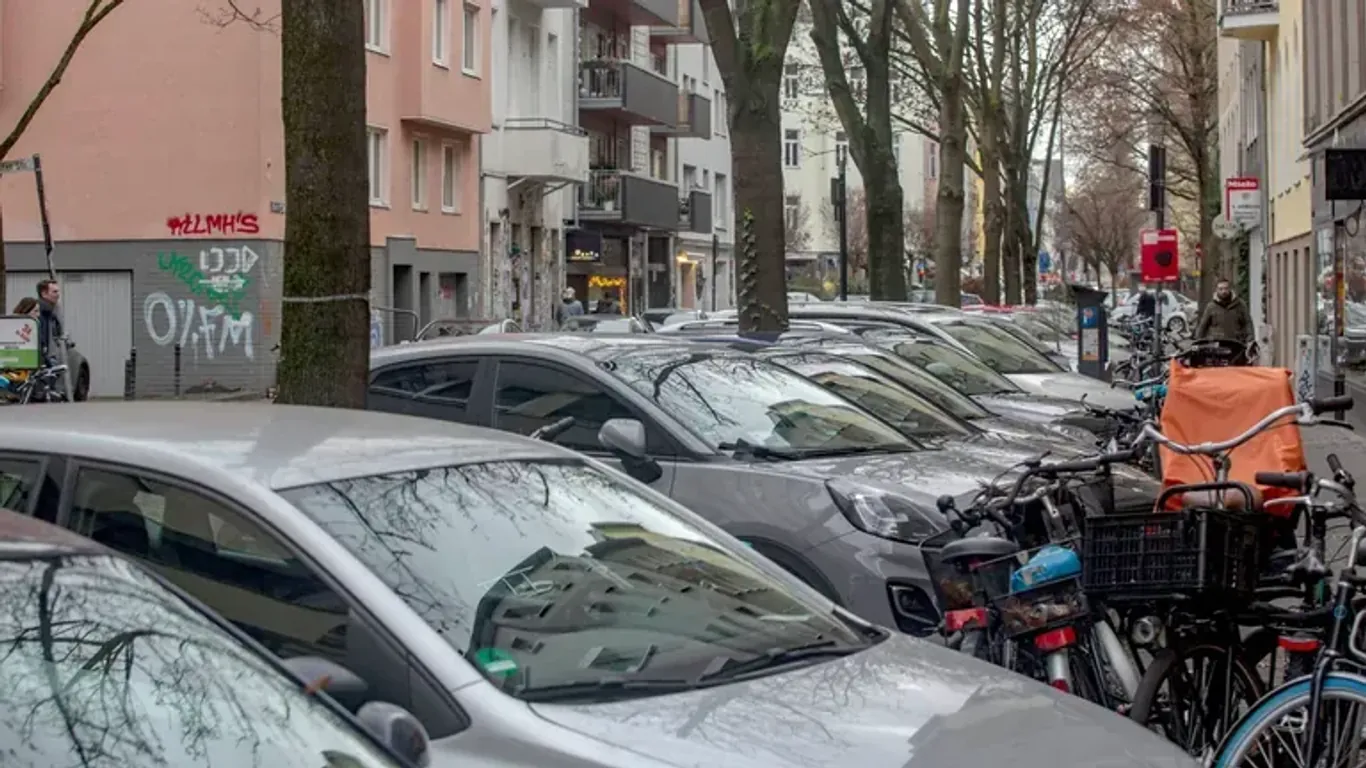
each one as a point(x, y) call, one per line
point(1321, 405)
point(1294, 481)
point(1061, 467)
point(1334, 464)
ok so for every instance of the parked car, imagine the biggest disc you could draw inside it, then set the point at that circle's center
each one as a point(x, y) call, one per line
point(532, 607)
point(801, 297)
point(732, 324)
point(106, 664)
point(1178, 312)
point(1031, 370)
point(865, 315)
point(604, 324)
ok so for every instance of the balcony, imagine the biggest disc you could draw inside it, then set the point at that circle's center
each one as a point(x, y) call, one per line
point(639, 13)
point(1249, 19)
point(627, 93)
point(540, 149)
point(694, 118)
point(691, 27)
point(697, 216)
point(552, 4)
point(630, 199)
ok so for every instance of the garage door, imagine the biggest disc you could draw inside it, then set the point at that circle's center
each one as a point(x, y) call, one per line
point(97, 313)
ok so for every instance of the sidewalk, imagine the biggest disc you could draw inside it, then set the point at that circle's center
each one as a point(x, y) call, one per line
point(1349, 446)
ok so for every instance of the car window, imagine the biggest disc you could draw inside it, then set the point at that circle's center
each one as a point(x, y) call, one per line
point(530, 396)
point(437, 389)
point(965, 373)
point(999, 349)
point(210, 551)
point(18, 482)
point(882, 397)
point(924, 384)
point(553, 576)
point(106, 668)
point(732, 399)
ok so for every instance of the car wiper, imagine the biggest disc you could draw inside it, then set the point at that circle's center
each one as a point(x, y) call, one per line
point(601, 690)
point(780, 657)
point(742, 446)
point(855, 450)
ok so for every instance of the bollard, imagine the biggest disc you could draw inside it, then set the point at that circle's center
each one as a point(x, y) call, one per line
point(130, 373)
point(177, 370)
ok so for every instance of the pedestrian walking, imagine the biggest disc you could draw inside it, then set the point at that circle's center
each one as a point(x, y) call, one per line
point(1226, 317)
point(569, 306)
point(49, 322)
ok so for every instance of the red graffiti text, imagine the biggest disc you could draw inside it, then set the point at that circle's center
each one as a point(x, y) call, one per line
point(213, 224)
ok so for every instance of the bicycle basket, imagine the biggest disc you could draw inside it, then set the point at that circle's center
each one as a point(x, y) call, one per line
point(953, 586)
point(1203, 554)
point(1034, 607)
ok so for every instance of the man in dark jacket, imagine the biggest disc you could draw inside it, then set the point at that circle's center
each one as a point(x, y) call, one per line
point(49, 324)
point(1225, 317)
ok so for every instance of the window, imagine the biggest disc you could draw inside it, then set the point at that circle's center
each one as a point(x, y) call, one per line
point(689, 177)
point(377, 25)
point(841, 148)
point(934, 161)
point(419, 175)
point(792, 212)
point(721, 114)
point(470, 55)
point(439, 390)
point(237, 568)
point(530, 396)
point(441, 31)
point(142, 679)
point(792, 83)
point(792, 149)
point(377, 140)
point(450, 179)
point(706, 63)
point(856, 81)
point(18, 482)
point(896, 148)
point(722, 197)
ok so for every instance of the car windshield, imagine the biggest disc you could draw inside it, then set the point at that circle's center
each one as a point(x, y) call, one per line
point(923, 384)
point(1028, 333)
point(1041, 330)
point(884, 398)
point(732, 401)
point(104, 667)
point(559, 581)
point(1001, 351)
point(963, 372)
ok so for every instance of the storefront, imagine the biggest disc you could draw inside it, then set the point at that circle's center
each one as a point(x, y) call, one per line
point(595, 266)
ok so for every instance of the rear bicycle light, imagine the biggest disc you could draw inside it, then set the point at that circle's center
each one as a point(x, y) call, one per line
point(966, 618)
point(1061, 685)
point(1056, 639)
point(1298, 644)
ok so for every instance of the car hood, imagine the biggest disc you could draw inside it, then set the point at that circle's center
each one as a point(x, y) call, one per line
point(1053, 437)
point(921, 476)
point(1073, 386)
point(1028, 406)
point(901, 704)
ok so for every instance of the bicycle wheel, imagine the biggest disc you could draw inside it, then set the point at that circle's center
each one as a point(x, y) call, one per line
point(1273, 733)
point(1182, 695)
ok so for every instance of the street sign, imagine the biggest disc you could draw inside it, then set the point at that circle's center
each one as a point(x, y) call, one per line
point(1158, 256)
point(1225, 229)
point(1243, 201)
point(21, 165)
point(1045, 262)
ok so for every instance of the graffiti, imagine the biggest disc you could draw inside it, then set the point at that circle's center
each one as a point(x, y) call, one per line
point(207, 330)
point(213, 224)
point(220, 277)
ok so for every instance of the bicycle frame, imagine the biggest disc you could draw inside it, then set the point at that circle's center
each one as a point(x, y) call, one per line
point(1330, 656)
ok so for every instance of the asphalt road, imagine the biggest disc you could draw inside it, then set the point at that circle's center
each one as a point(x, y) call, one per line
point(1350, 448)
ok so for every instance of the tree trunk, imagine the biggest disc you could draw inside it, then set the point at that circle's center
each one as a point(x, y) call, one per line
point(1210, 204)
point(884, 204)
point(325, 333)
point(952, 196)
point(993, 221)
point(1010, 243)
point(756, 162)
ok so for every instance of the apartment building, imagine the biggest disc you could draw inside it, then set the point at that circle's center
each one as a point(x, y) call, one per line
point(814, 146)
point(632, 209)
point(1261, 132)
point(705, 263)
point(535, 159)
point(165, 184)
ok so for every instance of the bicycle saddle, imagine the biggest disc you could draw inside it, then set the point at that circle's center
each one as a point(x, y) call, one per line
point(977, 548)
point(1232, 500)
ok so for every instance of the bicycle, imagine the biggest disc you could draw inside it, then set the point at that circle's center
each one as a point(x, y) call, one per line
point(1297, 707)
point(43, 385)
point(1195, 639)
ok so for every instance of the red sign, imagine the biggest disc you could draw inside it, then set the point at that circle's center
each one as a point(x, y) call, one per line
point(1159, 262)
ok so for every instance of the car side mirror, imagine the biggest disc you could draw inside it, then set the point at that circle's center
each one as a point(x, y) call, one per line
point(399, 730)
point(329, 677)
point(624, 437)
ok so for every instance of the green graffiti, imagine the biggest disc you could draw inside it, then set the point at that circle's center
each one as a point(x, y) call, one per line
point(227, 290)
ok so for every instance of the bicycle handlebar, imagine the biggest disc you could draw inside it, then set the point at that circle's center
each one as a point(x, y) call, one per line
point(1291, 481)
point(1304, 414)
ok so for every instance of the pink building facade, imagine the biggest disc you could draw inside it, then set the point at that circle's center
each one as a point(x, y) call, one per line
point(162, 157)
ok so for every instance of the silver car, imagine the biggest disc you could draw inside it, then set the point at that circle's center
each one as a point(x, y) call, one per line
point(531, 606)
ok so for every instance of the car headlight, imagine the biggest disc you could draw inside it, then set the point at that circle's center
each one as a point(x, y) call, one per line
point(885, 514)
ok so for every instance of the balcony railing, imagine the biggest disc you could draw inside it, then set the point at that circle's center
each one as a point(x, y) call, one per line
point(616, 195)
point(691, 27)
point(636, 95)
point(1235, 7)
point(543, 148)
point(1249, 19)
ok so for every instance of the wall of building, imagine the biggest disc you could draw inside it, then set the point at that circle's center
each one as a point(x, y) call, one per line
point(699, 160)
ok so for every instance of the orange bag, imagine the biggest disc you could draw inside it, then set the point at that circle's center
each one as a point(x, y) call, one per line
point(1217, 404)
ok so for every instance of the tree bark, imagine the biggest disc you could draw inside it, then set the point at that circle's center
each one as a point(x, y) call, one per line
point(749, 46)
point(993, 218)
point(324, 345)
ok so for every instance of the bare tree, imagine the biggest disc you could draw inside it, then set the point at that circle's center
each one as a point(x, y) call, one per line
point(1102, 217)
point(324, 344)
point(796, 223)
point(750, 45)
point(96, 11)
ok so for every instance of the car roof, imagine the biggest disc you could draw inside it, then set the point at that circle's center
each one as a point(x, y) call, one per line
point(22, 536)
point(596, 346)
point(278, 446)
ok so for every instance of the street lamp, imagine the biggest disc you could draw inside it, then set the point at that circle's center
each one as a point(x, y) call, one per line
point(839, 200)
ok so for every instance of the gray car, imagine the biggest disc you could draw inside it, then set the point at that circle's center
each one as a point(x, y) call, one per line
point(534, 608)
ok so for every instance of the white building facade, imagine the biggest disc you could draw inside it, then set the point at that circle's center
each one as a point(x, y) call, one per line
point(705, 263)
point(533, 161)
